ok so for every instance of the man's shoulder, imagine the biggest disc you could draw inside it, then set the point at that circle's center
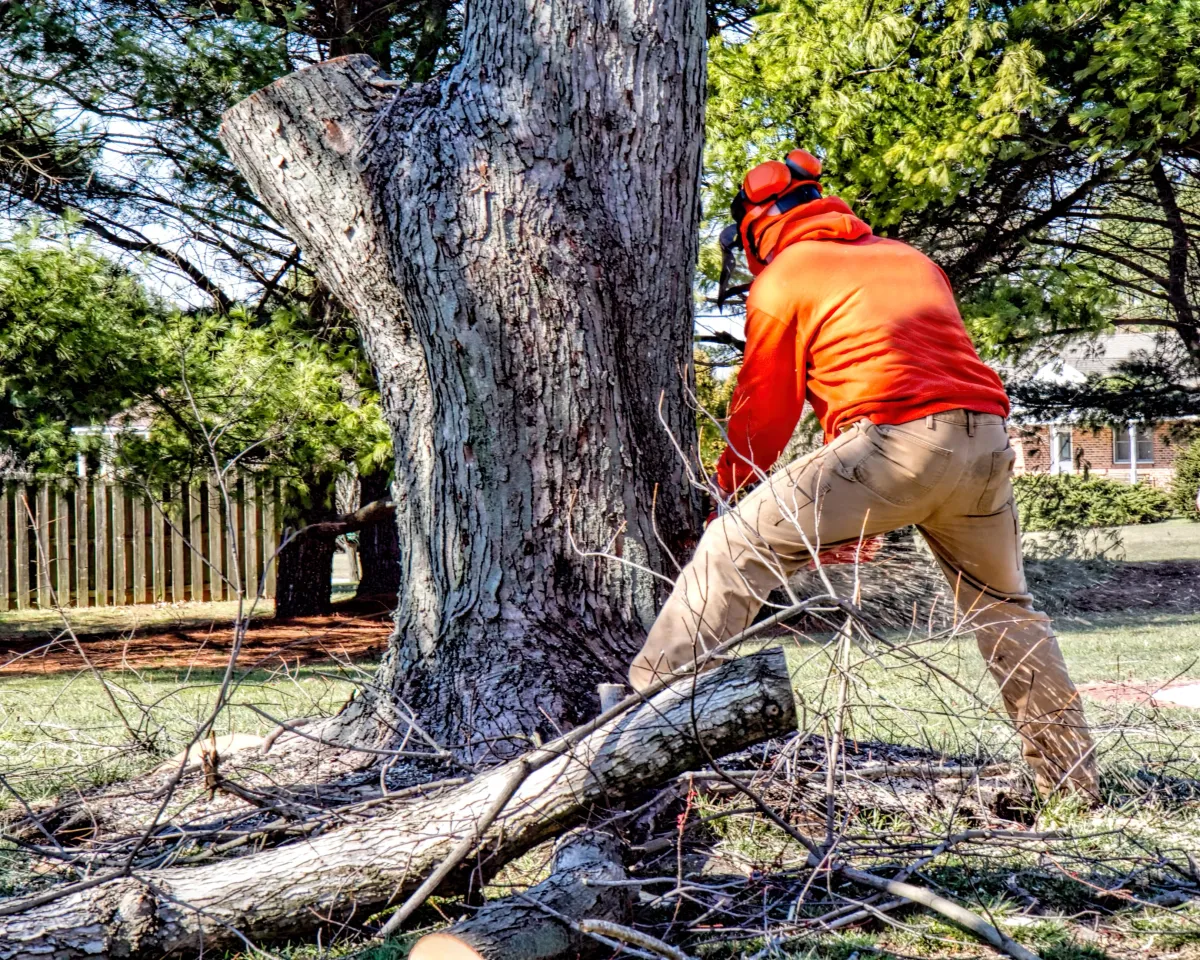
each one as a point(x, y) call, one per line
point(803, 270)
point(774, 292)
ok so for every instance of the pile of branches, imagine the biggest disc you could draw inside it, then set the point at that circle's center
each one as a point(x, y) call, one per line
point(647, 808)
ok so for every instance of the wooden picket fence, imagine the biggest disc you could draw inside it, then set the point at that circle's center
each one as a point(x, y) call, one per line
point(94, 543)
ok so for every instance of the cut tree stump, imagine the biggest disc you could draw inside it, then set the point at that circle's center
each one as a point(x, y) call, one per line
point(526, 926)
point(349, 874)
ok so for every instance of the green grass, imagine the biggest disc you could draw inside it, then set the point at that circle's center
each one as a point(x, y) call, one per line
point(958, 712)
point(62, 730)
point(1150, 647)
point(88, 621)
point(1170, 540)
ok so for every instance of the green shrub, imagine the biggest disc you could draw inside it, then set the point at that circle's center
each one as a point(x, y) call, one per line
point(1069, 502)
point(1187, 481)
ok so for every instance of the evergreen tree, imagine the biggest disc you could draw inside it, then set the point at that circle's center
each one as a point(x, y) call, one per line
point(1044, 153)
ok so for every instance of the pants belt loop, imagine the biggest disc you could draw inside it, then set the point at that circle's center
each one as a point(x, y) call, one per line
point(929, 422)
point(970, 424)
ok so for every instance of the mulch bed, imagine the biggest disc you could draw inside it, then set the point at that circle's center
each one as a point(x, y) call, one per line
point(354, 631)
point(1165, 586)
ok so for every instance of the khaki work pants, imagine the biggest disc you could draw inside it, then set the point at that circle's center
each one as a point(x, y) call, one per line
point(950, 474)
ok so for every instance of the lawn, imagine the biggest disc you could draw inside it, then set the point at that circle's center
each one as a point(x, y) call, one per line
point(143, 616)
point(60, 731)
point(1169, 540)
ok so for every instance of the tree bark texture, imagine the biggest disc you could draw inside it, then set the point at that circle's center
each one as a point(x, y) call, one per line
point(525, 927)
point(1179, 288)
point(517, 244)
point(347, 875)
point(304, 573)
point(378, 542)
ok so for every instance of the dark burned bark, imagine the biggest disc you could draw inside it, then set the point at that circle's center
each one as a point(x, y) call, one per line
point(378, 542)
point(517, 246)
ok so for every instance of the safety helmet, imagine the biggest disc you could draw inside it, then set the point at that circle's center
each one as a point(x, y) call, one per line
point(769, 190)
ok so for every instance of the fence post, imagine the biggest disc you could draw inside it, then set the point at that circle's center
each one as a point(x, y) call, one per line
point(42, 549)
point(234, 570)
point(158, 551)
point(21, 529)
point(196, 541)
point(216, 552)
point(250, 525)
point(175, 519)
point(83, 595)
point(4, 488)
point(270, 537)
point(62, 536)
point(100, 494)
point(118, 530)
point(137, 518)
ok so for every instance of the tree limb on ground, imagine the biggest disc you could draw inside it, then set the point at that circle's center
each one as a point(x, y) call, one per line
point(527, 926)
point(346, 875)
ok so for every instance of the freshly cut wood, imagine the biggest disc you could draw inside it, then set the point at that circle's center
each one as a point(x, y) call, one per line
point(347, 875)
point(528, 926)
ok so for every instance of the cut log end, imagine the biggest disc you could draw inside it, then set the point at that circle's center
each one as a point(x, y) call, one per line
point(543, 922)
point(443, 946)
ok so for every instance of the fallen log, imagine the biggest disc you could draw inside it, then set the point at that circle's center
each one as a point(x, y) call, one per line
point(542, 923)
point(346, 875)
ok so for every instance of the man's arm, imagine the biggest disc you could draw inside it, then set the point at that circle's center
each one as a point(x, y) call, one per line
point(767, 402)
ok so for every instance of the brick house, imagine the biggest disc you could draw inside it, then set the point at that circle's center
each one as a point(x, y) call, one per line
point(1132, 452)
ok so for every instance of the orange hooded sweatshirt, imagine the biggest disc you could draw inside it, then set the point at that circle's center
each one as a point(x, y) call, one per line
point(858, 325)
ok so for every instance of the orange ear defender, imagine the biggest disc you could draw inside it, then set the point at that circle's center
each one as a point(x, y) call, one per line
point(768, 189)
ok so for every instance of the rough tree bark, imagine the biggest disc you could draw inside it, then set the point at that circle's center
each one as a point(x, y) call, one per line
point(582, 885)
point(378, 542)
point(346, 875)
point(304, 572)
point(516, 243)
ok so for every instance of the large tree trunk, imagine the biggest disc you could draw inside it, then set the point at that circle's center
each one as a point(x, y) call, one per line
point(517, 246)
point(346, 875)
point(379, 542)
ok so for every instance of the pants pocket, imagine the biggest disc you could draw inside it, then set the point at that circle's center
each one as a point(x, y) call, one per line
point(896, 466)
point(998, 486)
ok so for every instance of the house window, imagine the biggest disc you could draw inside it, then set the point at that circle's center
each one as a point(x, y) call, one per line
point(1145, 444)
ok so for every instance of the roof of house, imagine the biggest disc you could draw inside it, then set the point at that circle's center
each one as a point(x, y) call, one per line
point(1080, 359)
point(1077, 360)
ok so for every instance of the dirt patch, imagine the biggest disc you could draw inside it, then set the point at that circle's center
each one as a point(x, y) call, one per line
point(1164, 585)
point(354, 632)
point(1177, 693)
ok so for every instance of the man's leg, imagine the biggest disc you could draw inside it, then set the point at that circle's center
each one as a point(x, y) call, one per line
point(981, 557)
point(752, 550)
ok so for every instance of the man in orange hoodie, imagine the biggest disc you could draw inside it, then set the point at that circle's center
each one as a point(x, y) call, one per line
point(867, 331)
